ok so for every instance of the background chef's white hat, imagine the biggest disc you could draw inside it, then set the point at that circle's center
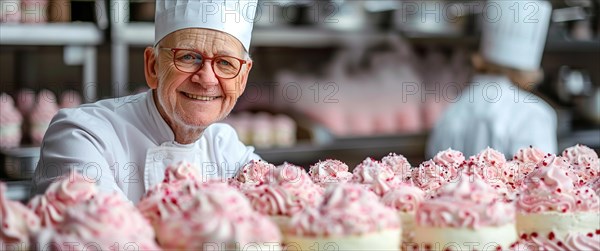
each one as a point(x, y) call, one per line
point(234, 17)
point(514, 33)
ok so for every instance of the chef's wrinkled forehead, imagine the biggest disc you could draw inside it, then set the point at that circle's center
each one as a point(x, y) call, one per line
point(234, 17)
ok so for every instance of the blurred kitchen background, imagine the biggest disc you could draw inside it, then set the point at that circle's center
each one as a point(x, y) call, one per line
point(331, 79)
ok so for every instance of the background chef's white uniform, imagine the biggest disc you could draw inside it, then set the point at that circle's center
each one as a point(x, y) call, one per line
point(493, 112)
point(515, 118)
point(125, 145)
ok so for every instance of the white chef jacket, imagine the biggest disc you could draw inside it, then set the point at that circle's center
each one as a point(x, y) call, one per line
point(493, 112)
point(124, 145)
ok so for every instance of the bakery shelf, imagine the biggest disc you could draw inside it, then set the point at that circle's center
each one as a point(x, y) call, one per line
point(82, 33)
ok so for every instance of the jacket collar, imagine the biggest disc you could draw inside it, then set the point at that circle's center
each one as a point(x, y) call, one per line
point(156, 122)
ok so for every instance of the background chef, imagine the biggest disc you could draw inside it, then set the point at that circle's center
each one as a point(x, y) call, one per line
point(497, 109)
point(196, 71)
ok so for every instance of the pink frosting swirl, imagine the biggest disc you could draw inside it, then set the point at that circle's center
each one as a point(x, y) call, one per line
point(572, 241)
point(488, 164)
point(548, 188)
point(220, 215)
point(404, 198)
point(376, 176)
point(595, 185)
point(529, 155)
point(329, 171)
point(17, 222)
point(254, 173)
point(429, 176)
point(399, 165)
point(450, 159)
point(584, 161)
point(106, 221)
point(182, 170)
point(166, 199)
point(468, 202)
point(347, 210)
point(586, 200)
point(292, 192)
point(68, 191)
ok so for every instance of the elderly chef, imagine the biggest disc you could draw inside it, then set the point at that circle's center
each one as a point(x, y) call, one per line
point(497, 109)
point(196, 71)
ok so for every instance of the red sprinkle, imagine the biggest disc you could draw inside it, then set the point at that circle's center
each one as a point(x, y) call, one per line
point(551, 236)
point(524, 236)
point(559, 244)
point(598, 231)
point(590, 235)
point(558, 190)
point(534, 235)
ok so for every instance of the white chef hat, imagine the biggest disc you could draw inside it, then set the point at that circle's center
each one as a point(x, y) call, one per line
point(234, 17)
point(514, 32)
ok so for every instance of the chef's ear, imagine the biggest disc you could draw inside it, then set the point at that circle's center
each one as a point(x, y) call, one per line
point(150, 68)
point(244, 79)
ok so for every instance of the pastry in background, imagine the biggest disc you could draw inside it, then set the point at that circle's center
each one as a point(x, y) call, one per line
point(25, 100)
point(329, 172)
point(42, 113)
point(10, 123)
point(399, 165)
point(17, 223)
point(555, 214)
point(466, 214)
point(284, 130)
point(584, 161)
point(348, 218)
point(70, 99)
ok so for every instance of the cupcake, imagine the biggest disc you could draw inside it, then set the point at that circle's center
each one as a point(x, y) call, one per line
point(253, 173)
point(348, 218)
point(553, 213)
point(584, 162)
point(522, 163)
point(106, 222)
point(374, 176)
point(10, 123)
point(284, 130)
point(291, 191)
point(405, 199)
point(488, 164)
point(328, 172)
point(399, 165)
point(451, 161)
point(25, 100)
point(430, 177)
point(219, 218)
point(465, 215)
point(18, 223)
point(41, 115)
point(70, 99)
point(70, 190)
point(172, 195)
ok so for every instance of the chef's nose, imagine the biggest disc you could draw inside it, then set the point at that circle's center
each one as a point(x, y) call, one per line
point(205, 75)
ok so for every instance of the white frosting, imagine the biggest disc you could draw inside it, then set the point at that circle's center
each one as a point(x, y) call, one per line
point(559, 223)
point(483, 238)
point(383, 240)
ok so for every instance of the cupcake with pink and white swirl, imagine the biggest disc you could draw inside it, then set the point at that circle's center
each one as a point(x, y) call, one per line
point(375, 176)
point(466, 214)
point(405, 198)
point(18, 223)
point(10, 122)
point(399, 165)
point(329, 172)
point(522, 163)
point(252, 174)
point(290, 192)
point(584, 162)
point(42, 113)
point(555, 214)
point(348, 218)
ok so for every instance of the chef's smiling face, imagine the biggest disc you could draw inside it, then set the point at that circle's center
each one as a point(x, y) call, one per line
point(193, 101)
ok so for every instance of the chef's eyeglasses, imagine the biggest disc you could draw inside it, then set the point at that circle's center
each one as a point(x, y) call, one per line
point(190, 61)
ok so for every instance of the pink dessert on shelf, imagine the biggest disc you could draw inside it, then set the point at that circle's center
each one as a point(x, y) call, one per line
point(25, 100)
point(291, 191)
point(348, 218)
point(451, 161)
point(253, 173)
point(70, 99)
point(70, 190)
point(218, 217)
point(375, 176)
point(466, 214)
point(553, 213)
point(327, 172)
point(399, 165)
point(10, 123)
point(106, 222)
point(42, 113)
point(405, 199)
point(584, 161)
point(172, 195)
point(17, 223)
